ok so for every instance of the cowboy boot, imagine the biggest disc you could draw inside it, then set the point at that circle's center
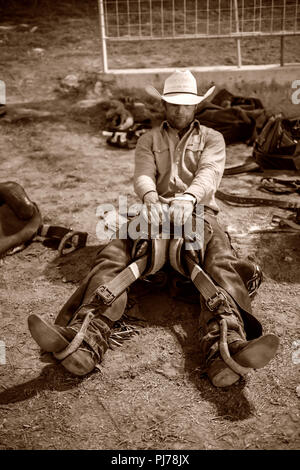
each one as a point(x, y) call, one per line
point(248, 355)
point(81, 345)
point(90, 325)
point(79, 359)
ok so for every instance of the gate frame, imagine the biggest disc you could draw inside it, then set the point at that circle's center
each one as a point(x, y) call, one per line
point(237, 35)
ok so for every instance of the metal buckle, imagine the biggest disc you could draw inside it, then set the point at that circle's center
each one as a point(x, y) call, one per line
point(214, 301)
point(105, 295)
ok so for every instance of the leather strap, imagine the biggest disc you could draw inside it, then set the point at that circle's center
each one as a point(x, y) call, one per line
point(244, 168)
point(210, 292)
point(109, 292)
point(70, 240)
point(283, 222)
point(280, 186)
point(257, 201)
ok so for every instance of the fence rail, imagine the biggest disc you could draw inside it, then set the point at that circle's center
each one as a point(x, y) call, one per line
point(136, 20)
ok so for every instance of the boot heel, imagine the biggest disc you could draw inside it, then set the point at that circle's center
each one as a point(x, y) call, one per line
point(220, 375)
point(80, 362)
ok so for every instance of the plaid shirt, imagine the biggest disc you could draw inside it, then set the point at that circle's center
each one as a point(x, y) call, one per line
point(169, 163)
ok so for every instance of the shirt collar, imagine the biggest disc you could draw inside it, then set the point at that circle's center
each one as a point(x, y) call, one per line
point(194, 124)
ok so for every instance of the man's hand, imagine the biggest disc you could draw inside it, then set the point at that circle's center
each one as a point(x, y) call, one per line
point(180, 211)
point(152, 208)
point(151, 198)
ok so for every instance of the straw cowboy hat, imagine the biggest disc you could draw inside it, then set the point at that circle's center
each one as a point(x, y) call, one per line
point(180, 88)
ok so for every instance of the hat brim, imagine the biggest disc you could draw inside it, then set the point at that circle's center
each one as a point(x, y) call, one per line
point(179, 98)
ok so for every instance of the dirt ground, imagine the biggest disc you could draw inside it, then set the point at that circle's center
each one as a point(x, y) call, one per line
point(149, 393)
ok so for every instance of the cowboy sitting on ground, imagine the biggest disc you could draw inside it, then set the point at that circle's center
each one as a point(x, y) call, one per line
point(179, 164)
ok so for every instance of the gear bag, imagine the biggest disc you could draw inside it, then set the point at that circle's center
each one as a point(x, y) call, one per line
point(278, 144)
point(239, 119)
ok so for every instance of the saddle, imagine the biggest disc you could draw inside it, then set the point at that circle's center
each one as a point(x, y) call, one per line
point(20, 218)
point(21, 223)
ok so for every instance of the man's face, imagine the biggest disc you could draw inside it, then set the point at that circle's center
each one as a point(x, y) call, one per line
point(179, 116)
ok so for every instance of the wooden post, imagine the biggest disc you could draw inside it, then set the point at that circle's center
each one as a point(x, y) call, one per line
point(282, 37)
point(102, 36)
point(238, 41)
point(281, 51)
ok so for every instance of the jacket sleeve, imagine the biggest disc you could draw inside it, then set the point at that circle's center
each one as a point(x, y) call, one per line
point(210, 167)
point(145, 167)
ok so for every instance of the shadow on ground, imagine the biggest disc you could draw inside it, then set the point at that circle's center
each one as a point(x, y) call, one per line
point(52, 377)
point(279, 256)
point(230, 402)
point(73, 267)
